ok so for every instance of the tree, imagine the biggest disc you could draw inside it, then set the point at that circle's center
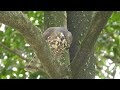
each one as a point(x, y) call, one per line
point(85, 27)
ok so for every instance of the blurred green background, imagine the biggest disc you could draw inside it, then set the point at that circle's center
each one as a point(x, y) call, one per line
point(107, 50)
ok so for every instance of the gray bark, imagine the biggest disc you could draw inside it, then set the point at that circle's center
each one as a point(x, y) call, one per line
point(83, 50)
point(55, 19)
point(79, 24)
point(58, 19)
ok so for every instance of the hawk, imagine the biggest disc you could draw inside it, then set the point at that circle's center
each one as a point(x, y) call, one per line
point(58, 39)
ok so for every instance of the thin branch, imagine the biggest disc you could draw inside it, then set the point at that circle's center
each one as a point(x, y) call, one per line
point(116, 61)
point(27, 67)
point(114, 72)
point(13, 51)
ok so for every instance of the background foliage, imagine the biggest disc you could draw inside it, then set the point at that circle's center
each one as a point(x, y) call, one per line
point(106, 50)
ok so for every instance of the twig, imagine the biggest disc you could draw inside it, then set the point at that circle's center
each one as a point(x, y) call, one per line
point(13, 51)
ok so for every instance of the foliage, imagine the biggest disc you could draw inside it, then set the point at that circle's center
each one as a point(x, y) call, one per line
point(106, 49)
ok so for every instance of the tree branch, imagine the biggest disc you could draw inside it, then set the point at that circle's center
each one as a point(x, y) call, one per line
point(13, 51)
point(87, 45)
point(33, 36)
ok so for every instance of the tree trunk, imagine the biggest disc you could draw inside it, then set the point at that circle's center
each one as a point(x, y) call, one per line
point(58, 19)
point(55, 19)
point(79, 24)
point(86, 27)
